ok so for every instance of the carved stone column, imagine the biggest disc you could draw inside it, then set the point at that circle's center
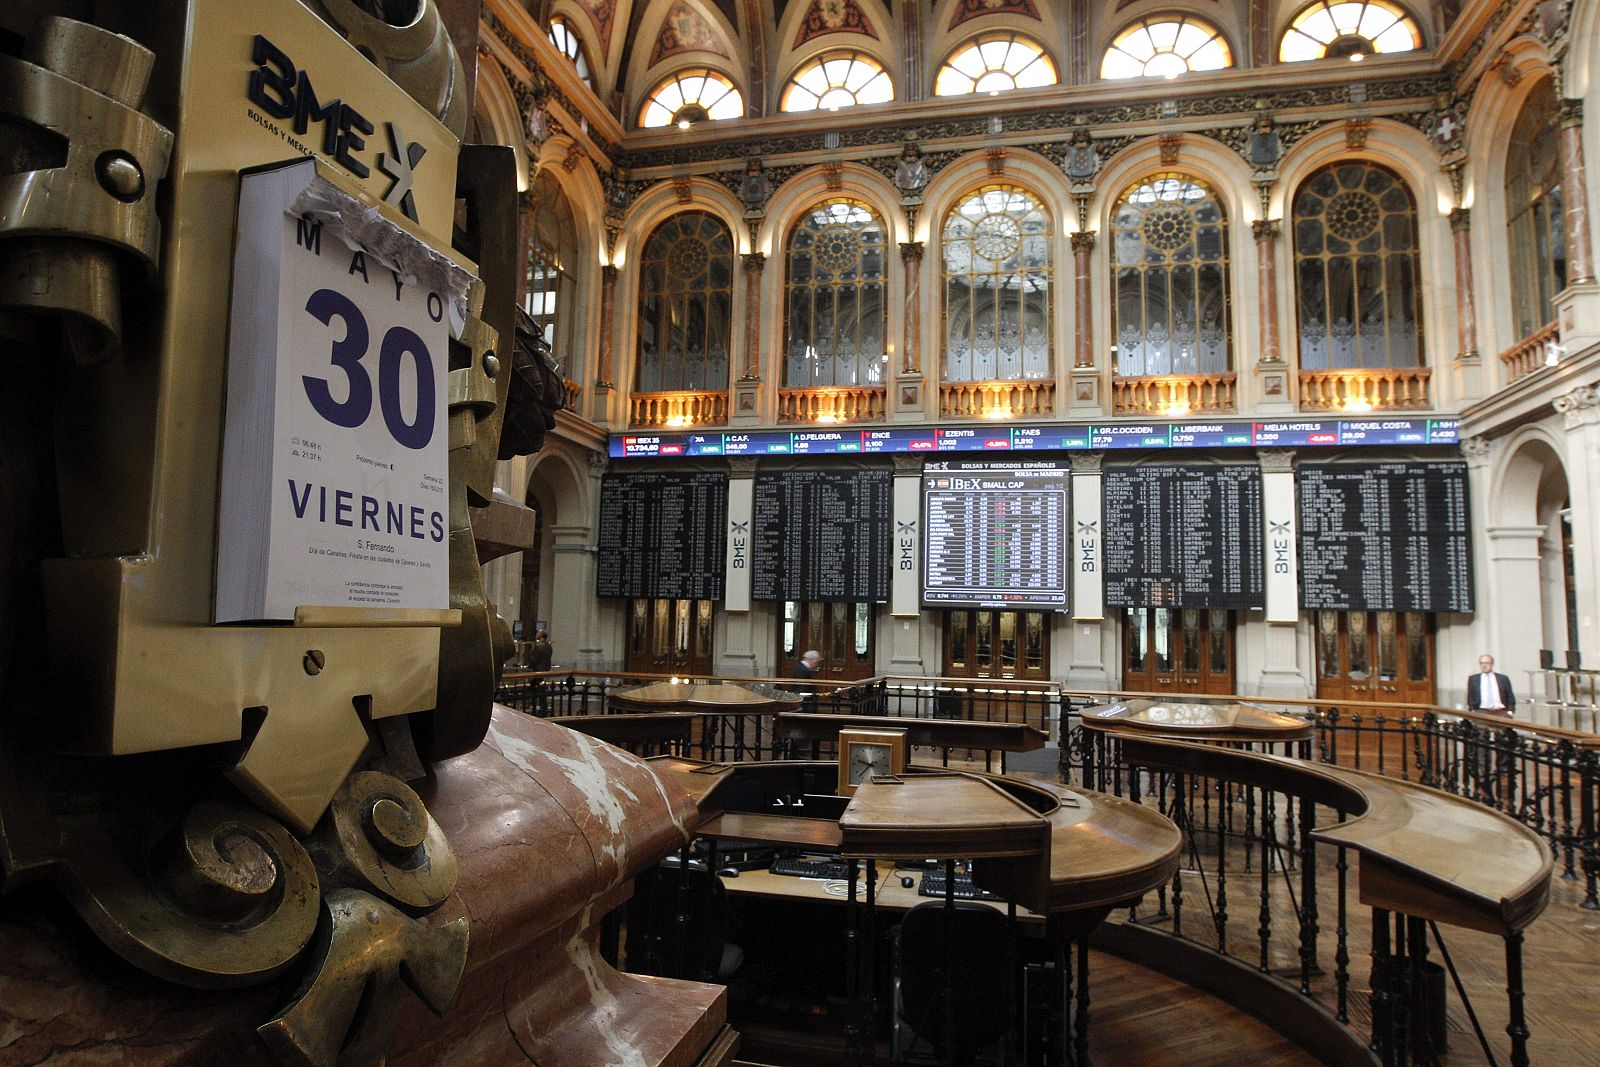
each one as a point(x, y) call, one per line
point(1082, 299)
point(911, 263)
point(907, 403)
point(754, 264)
point(1466, 302)
point(1266, 233)
point(608, 327)
point(1580, 249)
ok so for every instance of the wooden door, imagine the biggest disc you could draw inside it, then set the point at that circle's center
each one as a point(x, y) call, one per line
point(997, 644)
point(669, 637)
point(842, 632)
point(1375, 655)
point(1178, 650)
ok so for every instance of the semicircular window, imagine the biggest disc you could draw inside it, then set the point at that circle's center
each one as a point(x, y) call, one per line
point(1349, 29)
point(1165, 46)
point(995, 63)
point(691, 96)
point(837, 79)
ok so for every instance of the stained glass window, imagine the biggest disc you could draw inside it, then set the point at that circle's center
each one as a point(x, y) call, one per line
point(995, 246)
point(685, 305)
point(834, 322)
point(995, 63)
point(1356, 269)
point(1349, 28)
point(1533, 212)
point(691, 96)
point(1165, 46)
point(835, 80)
point(1171, 307)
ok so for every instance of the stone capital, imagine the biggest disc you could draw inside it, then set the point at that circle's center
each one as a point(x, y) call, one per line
point(1460, 219)
point(1581, 407)
point(1275, 460)
point(1266, 229)
point(755, 262)
point(1088, 462)
point(911, 250)
point(742, 466)
point(906, 465)
point(1570, 113)
point(1083, 242)
point(1475, 447)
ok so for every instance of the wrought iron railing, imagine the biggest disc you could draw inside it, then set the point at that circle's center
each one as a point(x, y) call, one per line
point(1546, 778)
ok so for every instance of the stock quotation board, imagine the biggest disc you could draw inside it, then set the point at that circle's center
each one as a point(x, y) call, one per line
point(995, 534)
point(1183, 536)
point(1293, 433)
point(663, 535)
point(1385, 537)
point(822, 534)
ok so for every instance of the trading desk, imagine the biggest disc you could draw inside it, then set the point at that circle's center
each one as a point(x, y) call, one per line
point(1062, 857)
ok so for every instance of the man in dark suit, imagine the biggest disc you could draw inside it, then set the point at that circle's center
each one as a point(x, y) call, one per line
point(1489, 692)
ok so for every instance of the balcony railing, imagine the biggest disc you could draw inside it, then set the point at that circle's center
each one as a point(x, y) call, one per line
point(661, 410)
point(857, 403)
point(1528, 354)
point(1169, 393)
point(1364, 389)
point(976, 400)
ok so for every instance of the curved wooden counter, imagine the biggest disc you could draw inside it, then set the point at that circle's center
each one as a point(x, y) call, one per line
point(1424, 853)
point(1048, 848)
point(1198, 722)
point(725, 698)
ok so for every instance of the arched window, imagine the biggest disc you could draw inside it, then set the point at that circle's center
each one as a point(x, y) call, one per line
point(1533, 212)
point(552, 247)
point(570, 45)
point(685, 305)
point(837, 79)
point(1171, 306)
point(691, 96)
point(1356, 269)
point(1165, 46)
point(994, 63)
point(834, 323)
point(1352, 28)
point(995, 245)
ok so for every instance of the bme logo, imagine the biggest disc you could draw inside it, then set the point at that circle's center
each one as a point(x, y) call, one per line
point(282, 91)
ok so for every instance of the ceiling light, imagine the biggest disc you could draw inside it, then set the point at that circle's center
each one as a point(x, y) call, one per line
point(1356, 57)
point(828, 418)
point(1176, 410)
point(997, 413)
point(677, 420)
point(683, 124)
point(1357, 405)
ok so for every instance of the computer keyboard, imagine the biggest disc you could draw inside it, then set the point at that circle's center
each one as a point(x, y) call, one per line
point(932, 885)
point(811, 868)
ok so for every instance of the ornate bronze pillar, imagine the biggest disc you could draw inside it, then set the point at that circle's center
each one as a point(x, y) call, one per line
point(1083, 299)
point(1580, 251)
point(1466, 302)
point(608, 326)
point(911, 261)
point(754, 264)
point(1266, 233)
